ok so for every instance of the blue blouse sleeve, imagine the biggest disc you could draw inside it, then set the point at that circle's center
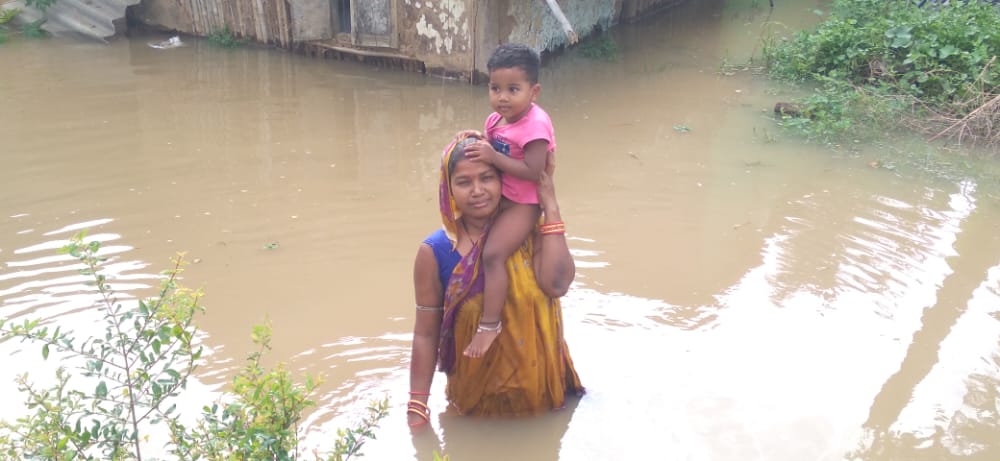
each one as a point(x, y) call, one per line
point(447, 258)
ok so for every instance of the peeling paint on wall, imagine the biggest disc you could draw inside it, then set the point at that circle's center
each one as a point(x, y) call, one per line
point(426, 30)
point(438, 34)
point(445, 25)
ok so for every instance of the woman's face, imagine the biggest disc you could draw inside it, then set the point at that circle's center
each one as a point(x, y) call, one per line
point(476, 188)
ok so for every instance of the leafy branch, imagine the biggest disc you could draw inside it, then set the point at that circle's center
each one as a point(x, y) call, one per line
point(129, 361)
point(143, 361)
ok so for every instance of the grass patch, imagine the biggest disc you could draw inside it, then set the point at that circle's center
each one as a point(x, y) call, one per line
point(33, 29)
point(224, 38)
point(40, 5)
point(601, 48)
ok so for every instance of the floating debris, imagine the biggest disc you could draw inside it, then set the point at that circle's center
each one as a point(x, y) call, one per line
point(172, 42)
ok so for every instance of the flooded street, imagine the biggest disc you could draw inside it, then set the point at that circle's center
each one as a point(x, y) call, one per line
point(741, 294)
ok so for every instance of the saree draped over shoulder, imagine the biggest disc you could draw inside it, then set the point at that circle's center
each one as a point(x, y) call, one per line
point(527, 369)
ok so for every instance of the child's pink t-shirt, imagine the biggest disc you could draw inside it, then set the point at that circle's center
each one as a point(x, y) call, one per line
point(510, 141)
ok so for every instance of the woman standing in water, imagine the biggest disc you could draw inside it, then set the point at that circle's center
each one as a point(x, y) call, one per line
point(528, 369)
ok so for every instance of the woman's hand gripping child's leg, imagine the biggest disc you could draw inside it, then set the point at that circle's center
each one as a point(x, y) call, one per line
point(507, 234)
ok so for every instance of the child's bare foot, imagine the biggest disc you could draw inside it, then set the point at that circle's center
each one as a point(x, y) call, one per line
point(485, 334)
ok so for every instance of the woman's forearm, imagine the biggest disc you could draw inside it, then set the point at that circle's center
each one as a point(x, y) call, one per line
point(556, 268)
point(423, 358)
point(428, 295)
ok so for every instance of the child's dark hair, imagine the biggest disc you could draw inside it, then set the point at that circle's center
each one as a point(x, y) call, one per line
point(510, 55)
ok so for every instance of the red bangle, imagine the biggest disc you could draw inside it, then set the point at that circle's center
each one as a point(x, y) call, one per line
point(420, 409)
point(552, 228)
point(420, 393)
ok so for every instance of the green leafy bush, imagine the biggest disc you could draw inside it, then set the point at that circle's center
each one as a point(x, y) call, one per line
point(142, 361)
point(224, 38)
point(141, 366)
point(33, 29)
point(942, 59)
point(40, 5)
point(8, 15)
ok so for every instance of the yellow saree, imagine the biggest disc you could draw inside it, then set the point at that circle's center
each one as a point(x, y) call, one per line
point(527, 369)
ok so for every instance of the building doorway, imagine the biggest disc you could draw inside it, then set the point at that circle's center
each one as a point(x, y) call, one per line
point(365, 22)
point(343, 19)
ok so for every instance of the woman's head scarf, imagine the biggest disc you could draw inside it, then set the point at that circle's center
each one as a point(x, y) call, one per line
point(450, 214)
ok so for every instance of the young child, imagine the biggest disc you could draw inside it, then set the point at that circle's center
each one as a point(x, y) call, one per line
point(519, 136)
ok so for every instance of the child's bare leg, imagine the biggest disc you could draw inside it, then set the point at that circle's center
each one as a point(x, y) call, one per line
point(508, 232)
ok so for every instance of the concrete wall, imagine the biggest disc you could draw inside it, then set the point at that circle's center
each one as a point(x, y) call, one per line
point(264, 21)
point(311, 20)
point(450, 37)
point(279, 22)
point(440, 33)
point(455, 37)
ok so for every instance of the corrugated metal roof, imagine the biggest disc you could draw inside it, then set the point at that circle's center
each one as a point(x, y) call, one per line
point(96, 19)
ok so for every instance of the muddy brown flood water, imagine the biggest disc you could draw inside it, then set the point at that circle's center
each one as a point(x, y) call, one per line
point(741, 294)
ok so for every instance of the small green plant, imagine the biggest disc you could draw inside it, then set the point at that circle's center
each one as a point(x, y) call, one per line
point(224, 38)
point(7, 16)
point(138, 367)
point(33, 29)
point(40, 5)
point(350, 441)
point(602, 48)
